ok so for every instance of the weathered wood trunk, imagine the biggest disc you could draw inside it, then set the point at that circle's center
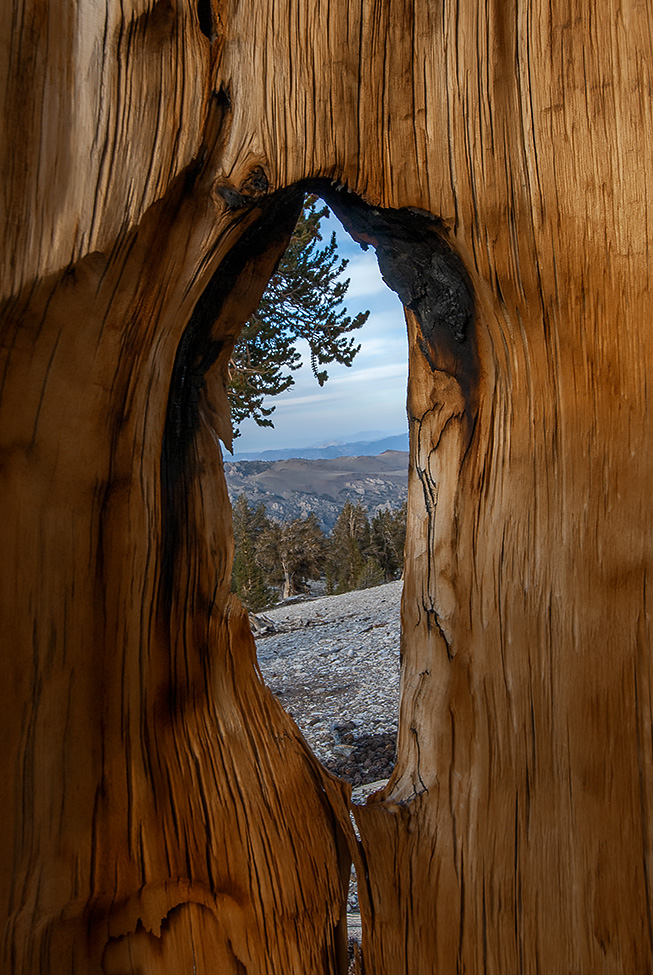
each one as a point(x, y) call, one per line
point(160, 812)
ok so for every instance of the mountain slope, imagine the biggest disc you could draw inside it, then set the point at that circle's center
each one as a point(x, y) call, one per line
point(295, 487)
point(359, 448)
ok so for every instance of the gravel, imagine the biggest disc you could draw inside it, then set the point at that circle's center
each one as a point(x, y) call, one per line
point(333, 662)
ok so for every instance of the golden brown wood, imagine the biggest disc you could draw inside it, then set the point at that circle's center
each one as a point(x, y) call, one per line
point(160, 812)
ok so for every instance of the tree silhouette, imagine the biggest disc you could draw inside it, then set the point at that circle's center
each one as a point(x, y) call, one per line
point(303, 300)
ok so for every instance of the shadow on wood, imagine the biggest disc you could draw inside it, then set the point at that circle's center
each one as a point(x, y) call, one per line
point(159, 809)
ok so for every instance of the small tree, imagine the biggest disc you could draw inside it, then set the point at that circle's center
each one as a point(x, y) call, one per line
point(303, 300)
point(351, 559)
point(388, 537)
point(293, 552)
point(247, 579)
point(371, 574)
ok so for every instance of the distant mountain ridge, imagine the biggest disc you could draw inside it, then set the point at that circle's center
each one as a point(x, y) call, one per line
point(294, 487)
point(329, 451)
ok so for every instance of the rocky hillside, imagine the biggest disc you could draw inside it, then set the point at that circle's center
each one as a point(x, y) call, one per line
point(293, 488)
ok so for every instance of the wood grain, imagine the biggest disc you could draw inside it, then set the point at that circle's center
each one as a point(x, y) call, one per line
point(159, 809)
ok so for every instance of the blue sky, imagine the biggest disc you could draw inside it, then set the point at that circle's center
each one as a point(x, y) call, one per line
point(369, 396)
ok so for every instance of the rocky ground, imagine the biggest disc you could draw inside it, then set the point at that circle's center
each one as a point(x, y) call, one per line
point(334, 664)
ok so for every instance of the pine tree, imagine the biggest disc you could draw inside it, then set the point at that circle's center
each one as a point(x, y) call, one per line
point(351, 559)
point(247, 579)
point(303, 300)
point(293, 552)
point(388, 537)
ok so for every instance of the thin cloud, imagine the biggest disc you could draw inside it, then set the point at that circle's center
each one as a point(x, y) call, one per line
point(364, 278)
point(371, 393)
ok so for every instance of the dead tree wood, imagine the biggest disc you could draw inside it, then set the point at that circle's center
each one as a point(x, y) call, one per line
point(160, 811)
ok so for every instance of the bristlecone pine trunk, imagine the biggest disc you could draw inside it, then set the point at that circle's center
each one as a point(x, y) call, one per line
point(160, 812)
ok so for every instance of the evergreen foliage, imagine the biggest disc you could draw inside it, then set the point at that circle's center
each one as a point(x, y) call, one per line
point(247, 579)
point(349, 547)
point(292, 552)
point(303, 300)
point(275, 559)
point(364, 554)
point(387, 540)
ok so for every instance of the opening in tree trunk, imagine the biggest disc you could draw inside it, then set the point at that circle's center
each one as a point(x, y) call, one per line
point(160, 811)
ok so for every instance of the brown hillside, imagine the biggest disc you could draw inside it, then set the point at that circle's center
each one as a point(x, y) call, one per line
point(294, 488)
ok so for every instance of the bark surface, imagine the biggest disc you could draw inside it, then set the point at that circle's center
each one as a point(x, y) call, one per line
point(160, 812)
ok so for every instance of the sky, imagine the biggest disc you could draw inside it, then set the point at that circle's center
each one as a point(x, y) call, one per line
point(368, 397)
